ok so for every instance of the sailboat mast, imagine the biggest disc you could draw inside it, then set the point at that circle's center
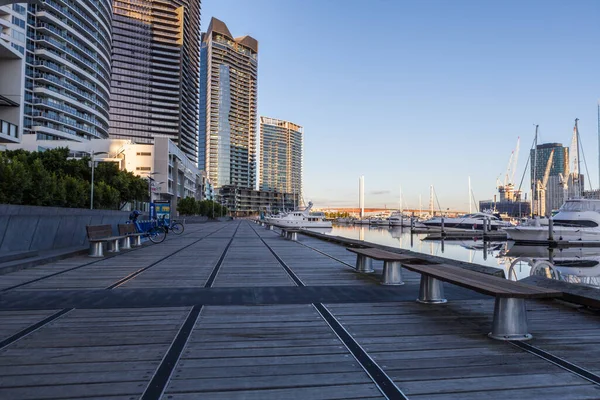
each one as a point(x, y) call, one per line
point(533, 174)
point(470, 195)
point(400, 199)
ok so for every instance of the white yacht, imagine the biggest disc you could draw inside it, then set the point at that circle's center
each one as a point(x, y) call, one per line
point(578, 220)
point(300, 219)
point(361, 222)
point(379, 221)
point(397, 219)
point(468, 221)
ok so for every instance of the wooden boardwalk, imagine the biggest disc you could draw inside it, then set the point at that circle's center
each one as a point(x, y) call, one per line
point(234, 311)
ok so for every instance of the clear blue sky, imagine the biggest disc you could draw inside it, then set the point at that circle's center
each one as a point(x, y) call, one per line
point(421, 93)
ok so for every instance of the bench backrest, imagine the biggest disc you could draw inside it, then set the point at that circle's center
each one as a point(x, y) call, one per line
point(98, 231)
point(125, 229)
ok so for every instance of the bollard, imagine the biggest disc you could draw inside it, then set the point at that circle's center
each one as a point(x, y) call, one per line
point(443, 233)
point(550, 229)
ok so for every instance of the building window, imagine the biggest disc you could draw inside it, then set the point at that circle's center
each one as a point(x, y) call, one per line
point(143, 168)
point(18, 22)
point(143, 154)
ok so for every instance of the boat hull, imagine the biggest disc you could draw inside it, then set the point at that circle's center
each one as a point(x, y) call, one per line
point(298, 224)
point(531, 234)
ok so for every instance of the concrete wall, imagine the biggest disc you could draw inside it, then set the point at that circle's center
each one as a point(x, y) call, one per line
point(24, 228)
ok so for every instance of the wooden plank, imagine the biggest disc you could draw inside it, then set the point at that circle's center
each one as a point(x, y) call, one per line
point(338, 392)
point(579, 392)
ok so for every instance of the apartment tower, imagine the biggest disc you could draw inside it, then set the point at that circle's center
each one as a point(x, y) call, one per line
point(281, 156)
point(155, 76)
point(68, 62)
point(228, 97)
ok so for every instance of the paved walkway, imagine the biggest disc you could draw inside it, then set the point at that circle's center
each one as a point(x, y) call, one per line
point(234, 311)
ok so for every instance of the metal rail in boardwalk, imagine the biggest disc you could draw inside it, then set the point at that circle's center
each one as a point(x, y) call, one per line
point(545, 355)
point(385, 384)
point(163, 373)
point(64, 271)
point(26, 331)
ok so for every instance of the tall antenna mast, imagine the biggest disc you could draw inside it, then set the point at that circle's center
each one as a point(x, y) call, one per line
point(534, 165)
point(579, 185)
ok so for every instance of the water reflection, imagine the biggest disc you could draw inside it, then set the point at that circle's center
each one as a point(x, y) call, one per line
point(576, 265)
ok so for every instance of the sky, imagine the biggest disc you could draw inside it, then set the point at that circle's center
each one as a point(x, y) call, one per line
point(417, 93)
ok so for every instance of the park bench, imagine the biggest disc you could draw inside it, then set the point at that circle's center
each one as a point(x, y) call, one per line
point(510, 312)
point(290, 233)
point(128, 232)
point(98, 235)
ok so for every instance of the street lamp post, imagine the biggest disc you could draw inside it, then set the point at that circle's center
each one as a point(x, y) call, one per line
point(92, 186)
point(150, 179)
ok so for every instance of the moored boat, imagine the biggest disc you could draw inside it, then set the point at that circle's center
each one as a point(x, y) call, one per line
point(300, 219)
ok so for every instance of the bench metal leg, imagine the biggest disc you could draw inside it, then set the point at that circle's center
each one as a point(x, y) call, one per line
point(270, 227)
point(431, 290)
point(113, 246)
point(283, 233)
point(96, 249)
point(510, 320)
point(294, 236)
point(137, 241)
point(126, 243)
point(392, 273)
point(364, 264)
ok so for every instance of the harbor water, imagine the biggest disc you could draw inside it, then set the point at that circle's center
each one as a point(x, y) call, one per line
point(576, 265)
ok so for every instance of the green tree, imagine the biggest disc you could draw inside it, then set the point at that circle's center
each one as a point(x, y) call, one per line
point(187, 206)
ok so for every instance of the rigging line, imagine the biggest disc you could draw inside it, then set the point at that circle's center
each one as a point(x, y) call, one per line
point(437, 200)
point(585, 163)
point(527, 164)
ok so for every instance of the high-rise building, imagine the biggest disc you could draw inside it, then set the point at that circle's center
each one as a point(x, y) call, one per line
point(281, 156)
point(12, 77)
point(155, 75)
point(228, 97)
point(68, 61)
point(539, 160)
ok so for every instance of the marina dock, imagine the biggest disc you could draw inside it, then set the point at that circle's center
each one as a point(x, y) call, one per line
point(231, 310)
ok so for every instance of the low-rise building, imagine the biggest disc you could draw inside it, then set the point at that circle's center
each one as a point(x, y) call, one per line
point(243, 201)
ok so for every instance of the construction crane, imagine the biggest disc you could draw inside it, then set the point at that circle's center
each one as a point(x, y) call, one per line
point(507, 188)
point(542, 186)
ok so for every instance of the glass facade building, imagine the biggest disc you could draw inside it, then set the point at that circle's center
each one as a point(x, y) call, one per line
point(12, 76)
point(228, 98)
point(540, 158)
point(68, 62)
point(281, 156)
point(155, 76)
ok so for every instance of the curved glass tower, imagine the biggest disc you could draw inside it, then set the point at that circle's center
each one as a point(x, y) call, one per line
point(68, 61)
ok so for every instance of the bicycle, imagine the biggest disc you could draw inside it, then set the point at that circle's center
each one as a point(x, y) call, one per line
point(174, 226)
point(156, 233)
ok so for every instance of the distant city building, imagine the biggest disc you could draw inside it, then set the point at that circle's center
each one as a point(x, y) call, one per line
point(511, 208)
point(68, 56)
point(247, 201)
point(281, 156)
point(12, 71)
point(228, 101)
point(174, 176)
point(155, 75)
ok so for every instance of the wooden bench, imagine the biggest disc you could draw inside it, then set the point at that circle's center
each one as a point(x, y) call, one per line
point(510, 312)
point(290, 233)
point(98, 235)
point(128, 232)
point(392, 270)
